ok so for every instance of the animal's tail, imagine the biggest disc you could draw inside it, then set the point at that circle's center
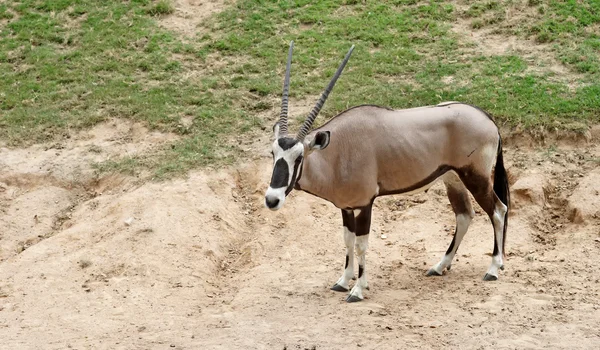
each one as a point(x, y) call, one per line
point(501, 189)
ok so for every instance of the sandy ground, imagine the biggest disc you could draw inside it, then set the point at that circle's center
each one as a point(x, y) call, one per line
point(118, 263)
point(198, 263)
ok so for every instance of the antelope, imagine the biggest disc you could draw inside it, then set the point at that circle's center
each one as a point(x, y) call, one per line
point(370, 151)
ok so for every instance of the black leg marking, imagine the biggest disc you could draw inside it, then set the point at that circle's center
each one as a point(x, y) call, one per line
point(347, 258)
point(361, 269)
point(363, 221)
point(451, 247)
point(495, 244)
point(349, 220)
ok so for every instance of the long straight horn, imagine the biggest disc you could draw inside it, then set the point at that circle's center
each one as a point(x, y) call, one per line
point(283, 117)
point(315, 111)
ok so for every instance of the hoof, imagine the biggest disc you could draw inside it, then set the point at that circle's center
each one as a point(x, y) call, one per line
point(353, 299)
point(432, 272)
point(336, 287)
point(489, 277)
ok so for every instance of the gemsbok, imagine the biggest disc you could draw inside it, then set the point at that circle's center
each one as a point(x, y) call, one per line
point(370, 151)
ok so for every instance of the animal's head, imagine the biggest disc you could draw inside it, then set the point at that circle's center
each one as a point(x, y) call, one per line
point(289, 152)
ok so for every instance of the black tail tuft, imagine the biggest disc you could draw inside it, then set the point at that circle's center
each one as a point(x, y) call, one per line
point(501, 189)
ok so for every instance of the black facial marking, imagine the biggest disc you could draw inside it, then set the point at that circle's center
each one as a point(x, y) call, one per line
point(294, 179)
point(361, 269)
point(281, 174)
point(347, 258)
point(286, 143)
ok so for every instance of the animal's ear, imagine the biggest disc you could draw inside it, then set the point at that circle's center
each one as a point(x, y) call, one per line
point(276, 130)
point(320, 141)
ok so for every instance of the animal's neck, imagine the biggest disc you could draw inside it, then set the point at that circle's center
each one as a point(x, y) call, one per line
point(314, 176)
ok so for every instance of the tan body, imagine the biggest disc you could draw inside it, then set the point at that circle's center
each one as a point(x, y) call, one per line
point(375, 151)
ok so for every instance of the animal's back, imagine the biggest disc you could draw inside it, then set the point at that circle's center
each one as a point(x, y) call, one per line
point(392, 150)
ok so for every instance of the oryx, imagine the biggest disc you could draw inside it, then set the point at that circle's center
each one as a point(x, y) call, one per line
point(370, 151)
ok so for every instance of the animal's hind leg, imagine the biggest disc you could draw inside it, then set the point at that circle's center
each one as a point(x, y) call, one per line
point(461, 204)
point(481, 187)
point(498, 221)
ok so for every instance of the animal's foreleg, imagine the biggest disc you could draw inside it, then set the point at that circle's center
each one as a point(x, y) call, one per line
point(342, 285)
point(363, 225)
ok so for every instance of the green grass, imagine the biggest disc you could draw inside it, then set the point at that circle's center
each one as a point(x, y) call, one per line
point(70, 64)
point(404, 53)
point(570, 26)
point(162, 7)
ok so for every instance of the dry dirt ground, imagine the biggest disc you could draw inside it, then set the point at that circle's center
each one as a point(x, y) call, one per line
point(113, 262)
point(199, 263)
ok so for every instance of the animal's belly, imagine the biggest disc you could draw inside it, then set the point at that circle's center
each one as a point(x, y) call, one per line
point(411, 183)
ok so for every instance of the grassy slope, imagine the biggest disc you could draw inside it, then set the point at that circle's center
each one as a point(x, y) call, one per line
point(69, 64)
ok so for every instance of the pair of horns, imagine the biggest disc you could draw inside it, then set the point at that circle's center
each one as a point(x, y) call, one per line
point(283, 117)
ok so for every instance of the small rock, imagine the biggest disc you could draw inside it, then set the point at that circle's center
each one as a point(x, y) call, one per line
point(383, 236)
point(128, 221)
